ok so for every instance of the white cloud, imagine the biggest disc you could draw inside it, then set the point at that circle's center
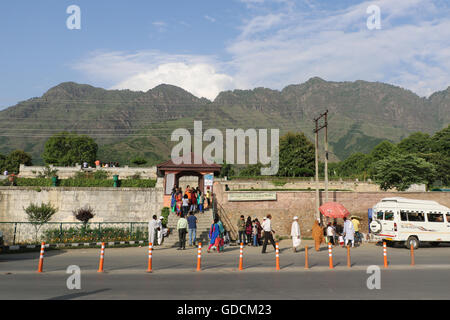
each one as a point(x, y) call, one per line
point(211, 19)
point(144, 70)
point(411, 49)
point(286, 46)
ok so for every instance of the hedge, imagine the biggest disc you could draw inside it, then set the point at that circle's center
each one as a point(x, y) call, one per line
point(74, 182)
point(75, 235)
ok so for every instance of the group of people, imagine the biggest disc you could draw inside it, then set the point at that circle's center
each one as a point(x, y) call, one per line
point(192, 200)
point(253, 233)
point(250, 231)
point(106, 164)
point(336, 235)
point(156, 230)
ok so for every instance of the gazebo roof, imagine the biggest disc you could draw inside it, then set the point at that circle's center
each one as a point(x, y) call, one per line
point(204, 166)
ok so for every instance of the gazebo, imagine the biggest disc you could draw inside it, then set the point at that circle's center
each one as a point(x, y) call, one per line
point(173, 172)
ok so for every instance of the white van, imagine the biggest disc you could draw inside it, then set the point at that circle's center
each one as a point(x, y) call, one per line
point(411, 221)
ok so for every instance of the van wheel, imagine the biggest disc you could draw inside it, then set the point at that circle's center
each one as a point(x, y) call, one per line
point(412, 242)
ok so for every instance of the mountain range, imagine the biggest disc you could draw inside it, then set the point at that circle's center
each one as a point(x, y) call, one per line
point(128, 124)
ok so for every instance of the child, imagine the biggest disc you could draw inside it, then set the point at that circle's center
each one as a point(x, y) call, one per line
point(341, 241)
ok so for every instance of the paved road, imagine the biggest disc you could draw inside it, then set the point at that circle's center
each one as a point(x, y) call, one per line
point(174, 275)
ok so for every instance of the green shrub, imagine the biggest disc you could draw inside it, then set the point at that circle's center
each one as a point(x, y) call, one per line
point(39, 215)
point(165, 213)
point(82, 235)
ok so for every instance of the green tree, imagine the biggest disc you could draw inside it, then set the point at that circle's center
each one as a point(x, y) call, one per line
point(355, 165)
point(440, 142)
point(383, 150)
point(39, 215)
point(400, 171)
point(251, 170)
point(66, 149)
point(227, 170)
point(2, 163)
point(440, 157)
point(296, 156)
point(13, 160)
point(416, 143)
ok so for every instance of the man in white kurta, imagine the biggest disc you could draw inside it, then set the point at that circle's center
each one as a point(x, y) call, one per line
point(349, 232)
point(295, 234)
point(152, 226)
point(160, 230)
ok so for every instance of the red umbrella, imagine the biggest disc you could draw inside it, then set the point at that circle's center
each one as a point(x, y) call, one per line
point(334, 210)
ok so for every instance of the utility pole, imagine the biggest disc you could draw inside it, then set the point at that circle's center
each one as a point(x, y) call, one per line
point(316, 132)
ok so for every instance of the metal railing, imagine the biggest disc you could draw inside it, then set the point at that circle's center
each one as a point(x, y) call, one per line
point(220, 212)
point(67, 232)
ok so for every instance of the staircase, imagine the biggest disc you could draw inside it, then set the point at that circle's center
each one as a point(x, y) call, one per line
point(204, 221)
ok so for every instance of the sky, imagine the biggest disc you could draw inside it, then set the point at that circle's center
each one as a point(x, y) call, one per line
point(208, 46)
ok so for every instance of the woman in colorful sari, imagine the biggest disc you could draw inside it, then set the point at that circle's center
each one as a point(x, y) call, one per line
point(214, 235)
point(220, 240)
point(179, 199)
point(173, 201)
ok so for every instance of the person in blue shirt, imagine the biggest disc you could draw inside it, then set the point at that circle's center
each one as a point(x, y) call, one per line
point(192, 228)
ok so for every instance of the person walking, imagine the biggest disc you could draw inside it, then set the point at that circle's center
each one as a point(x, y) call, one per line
point(259, 228)
point(349, 232)
point(255, 233)
point(295, 234)
point(193, 200)
point(267, 228)
point(356, 224)
point(331, 233)
point(208, 197)
point(160, 230)
point(241, 229)
point(214, 233)
point(192, 227)
point(221, 235)
point(200, 201)
point(317, 234)
point(248, 230)
point(152, 228)
point(182, 225)
point(185, 205)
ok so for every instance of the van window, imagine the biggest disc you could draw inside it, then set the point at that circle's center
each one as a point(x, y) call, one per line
point(435, 217)
point(403, 215)
point(416, 216)
point(448, 217)
point(380, 215)
point(389, 215)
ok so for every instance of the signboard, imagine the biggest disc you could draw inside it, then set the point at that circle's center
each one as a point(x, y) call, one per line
point(209, 179)
point(252, 196)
